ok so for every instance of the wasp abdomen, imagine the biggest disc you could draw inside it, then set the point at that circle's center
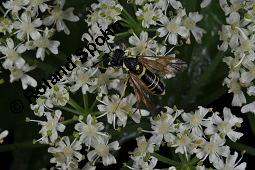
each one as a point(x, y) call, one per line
point(151, 80)
point(153, 83)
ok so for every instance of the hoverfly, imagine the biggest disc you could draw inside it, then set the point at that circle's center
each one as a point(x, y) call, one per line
point(144, 73)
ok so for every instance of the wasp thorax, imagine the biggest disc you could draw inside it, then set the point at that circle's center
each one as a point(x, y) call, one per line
point(118, 58)
point(133, 65)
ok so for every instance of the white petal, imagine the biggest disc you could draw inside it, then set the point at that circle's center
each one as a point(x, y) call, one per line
point(108, 160)
point(248, 108)
point(205, 3)
point(91, 155)
point(10, 43)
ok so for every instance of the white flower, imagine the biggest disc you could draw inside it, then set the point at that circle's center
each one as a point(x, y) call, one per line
point(94, 32)
point(15, 5)
point(66, 154)
point(230, 163)
point(42, 42)
point(164, 4)
point(102, 149)
point(35, 5)
point(230, 6)
point(116, 107)
point(214, 149)
point(59, 95)
point(12, 54)
point(164, 127)
point(89, 166)
point(58, 15)
point(140, 164)
point(143, 45)
point(110, 79)
point(50, 128)
point(90, 131)
point(195, 121)
point(3, 135)
point(5, 25)
point(225, 35)
point(172, 29)
point(149, 15)
point(248, 108)
point(235, 87)
point(143, 147)
point(19, 74)
point(26, 27)
point(190, 23)
point(225, 127)
point(83, 78)
point(182, 143)
point(236, 29)
point(43, 102)
point(249, 75)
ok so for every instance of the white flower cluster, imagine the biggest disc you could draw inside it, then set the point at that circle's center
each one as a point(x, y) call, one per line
point(202, 133)
point(28, 25)
point(108, 107)
point(237, 36)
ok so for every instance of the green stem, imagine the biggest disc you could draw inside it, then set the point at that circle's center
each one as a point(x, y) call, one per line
point(18, 146)
point(129, 16)
point(93, 106)
point(251, 118)
point(69, 121)
point(165, 160)
point(126, 21)
point(70, 110)
point(241, 147)
point(194, 160)
point(75, 105)
point(85, 103)
point(151, 29)
point(122, 34)
point(134, 23)
point(2, 10)
point(125, 24)
point(134, 8)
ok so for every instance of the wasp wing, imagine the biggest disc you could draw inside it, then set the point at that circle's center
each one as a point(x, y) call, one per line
point(164, 65)
point(141, 92)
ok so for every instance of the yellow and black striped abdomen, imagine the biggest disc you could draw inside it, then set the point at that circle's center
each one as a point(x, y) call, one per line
point(152, 81)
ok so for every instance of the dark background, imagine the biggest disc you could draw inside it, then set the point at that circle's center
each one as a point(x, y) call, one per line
point(200, 84)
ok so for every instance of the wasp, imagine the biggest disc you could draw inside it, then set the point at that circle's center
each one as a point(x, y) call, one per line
point(144, 73)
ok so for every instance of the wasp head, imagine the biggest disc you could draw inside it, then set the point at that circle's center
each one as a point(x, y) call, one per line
point(118, 57)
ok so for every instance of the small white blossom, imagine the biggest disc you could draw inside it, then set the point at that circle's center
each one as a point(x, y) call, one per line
point(42, 42)
point(190, 23)
point(12, 54)
point(225, 127)
point(20, 74)
point(51, 127)
point(143, 45)
point(149, 15)
point(66, 154)
point(102, 149)
point(26, 27)
point(58, 15)
point(230, 163)
point(90, 131)
point(214, 149)
point(172, 29)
